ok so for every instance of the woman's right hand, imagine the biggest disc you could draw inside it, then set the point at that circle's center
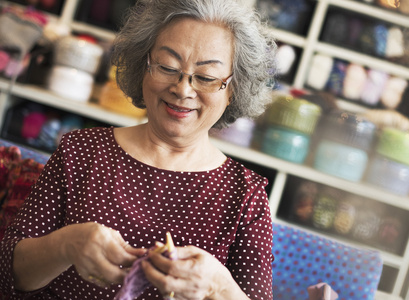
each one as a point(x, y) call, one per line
point(99, 253)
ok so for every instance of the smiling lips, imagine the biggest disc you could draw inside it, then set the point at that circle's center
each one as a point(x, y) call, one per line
point(178, 108)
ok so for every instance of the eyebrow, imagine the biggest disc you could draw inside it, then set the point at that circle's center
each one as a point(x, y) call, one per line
point(200, 63)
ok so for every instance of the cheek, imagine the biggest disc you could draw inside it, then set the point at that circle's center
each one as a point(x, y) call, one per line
point(149, 90)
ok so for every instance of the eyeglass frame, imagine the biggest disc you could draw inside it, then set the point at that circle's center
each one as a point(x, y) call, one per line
point(223, 86)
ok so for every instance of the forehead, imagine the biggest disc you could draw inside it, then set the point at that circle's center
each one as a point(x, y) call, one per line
point(197, 40)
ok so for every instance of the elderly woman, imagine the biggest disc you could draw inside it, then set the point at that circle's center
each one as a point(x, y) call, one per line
point(107, 194)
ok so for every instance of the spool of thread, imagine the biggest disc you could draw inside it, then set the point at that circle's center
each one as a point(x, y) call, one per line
point(71, 83)
point(344, 217)
point(325, 209)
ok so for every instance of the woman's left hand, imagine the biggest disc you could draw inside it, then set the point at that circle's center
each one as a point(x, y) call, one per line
point(195, 275)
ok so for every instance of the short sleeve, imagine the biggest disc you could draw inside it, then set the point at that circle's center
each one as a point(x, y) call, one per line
point(250, 259)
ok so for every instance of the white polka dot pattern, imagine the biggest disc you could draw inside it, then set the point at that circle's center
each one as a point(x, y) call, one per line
point(90, 178)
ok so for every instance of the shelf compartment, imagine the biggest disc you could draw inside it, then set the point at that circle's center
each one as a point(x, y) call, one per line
point(362, 59)
point(39, 126)
point(372, 11)
point(87, 109)
point(304, 171)
point(345, 216)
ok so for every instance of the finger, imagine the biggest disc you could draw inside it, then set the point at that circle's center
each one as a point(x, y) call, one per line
point(185, 288)
point(116, 251)
point(163, 264)
point(108, 271)
point(189, 252)
point(138, 252)
point(160, 280)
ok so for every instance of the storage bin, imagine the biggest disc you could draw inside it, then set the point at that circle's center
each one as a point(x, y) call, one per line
point(349, 129)
point(71, 83)
point(394, 144)
point(239, 133)
point(293, 113)
point(388, 175)
point(286, 144)
point(78, 53)
point(340, 160)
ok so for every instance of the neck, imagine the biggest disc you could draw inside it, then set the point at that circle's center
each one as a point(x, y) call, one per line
point(173, 154)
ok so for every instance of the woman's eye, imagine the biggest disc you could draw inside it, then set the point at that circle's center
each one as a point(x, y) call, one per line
point(204, 78)
point(168, 70)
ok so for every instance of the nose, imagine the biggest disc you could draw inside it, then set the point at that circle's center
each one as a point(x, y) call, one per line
point(182, 75)
point(183, 88)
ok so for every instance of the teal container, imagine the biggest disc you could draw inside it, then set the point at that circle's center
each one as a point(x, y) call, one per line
point(286, 144)
point(340, 160)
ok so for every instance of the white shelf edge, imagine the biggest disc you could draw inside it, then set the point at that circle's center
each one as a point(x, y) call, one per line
point(362, 59)
point(86, 109)
point(350, 106)
point(388, 259)
point(287, 37)
point(98, 32)
point(373, 11)
point(306, 172)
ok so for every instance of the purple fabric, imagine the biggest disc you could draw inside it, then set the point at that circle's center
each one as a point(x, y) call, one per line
point(135, 282)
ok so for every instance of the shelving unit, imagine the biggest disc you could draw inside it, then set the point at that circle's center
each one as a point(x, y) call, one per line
point(310, 45)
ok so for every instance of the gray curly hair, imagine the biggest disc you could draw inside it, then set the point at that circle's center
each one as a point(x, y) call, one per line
point(253, 60)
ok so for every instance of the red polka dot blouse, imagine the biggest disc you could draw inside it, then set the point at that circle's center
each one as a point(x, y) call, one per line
point(91, 178)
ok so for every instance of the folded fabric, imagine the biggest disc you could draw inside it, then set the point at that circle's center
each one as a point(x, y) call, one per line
point(321, 291)
point(4, 60)
point(285, 58)
point(381, 38)
point(20, 29)
point(393, 92)
point(395, 43)
point(354, 82)
point(367, 39)
point(320, 70)
point(335, 83)
point(135, 282)
point(336, 29)
point(355, 28)
point(373, 88)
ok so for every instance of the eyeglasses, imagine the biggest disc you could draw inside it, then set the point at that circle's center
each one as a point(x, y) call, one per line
point(199, 82)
